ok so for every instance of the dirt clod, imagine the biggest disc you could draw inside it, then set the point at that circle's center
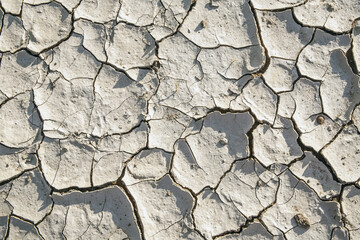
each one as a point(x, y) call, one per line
point(301, 220)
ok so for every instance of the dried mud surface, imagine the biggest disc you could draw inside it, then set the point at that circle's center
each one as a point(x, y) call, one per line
point(180, 119)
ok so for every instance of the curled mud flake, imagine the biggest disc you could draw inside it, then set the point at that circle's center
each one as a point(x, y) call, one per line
point(336, 15)
point(260, 99)
point(36, 202)
point(20, 72)
point(280, 74)
point(317, 176)
point(101, 214)
point(19, 115)
point(97, 11)
point(213, 216)
point(164, 206)
point(148, 165)
point(47, 25)
point(237, 19)
point(350, 201)
point(314, 59)
point(276, 145)
point(240, 187)
point(201, 160)
point(20, 229)
point(343, 154)
point(125, 54)
point(13, 36)
point(141, 12)
point(297, 206)
point(73, 61)
point(166, 130)
point(282, 35)
point(302, 220)
point(12, 6)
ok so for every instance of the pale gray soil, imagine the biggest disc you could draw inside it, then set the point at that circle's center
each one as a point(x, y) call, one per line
point(180, 119)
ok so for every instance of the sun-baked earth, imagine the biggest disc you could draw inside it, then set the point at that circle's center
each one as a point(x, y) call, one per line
point(180, 119)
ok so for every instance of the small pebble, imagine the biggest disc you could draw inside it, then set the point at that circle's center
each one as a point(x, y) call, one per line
point(203, 23)
point(320, 119)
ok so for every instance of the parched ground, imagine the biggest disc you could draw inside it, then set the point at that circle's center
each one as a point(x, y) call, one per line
point(180, 119)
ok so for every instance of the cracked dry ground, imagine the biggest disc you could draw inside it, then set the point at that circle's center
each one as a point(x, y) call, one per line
point(180, 119)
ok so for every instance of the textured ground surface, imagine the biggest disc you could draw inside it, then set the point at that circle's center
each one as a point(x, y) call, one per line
point(180, 119)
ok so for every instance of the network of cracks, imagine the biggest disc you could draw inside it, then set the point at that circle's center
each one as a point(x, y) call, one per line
point(180, 119)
